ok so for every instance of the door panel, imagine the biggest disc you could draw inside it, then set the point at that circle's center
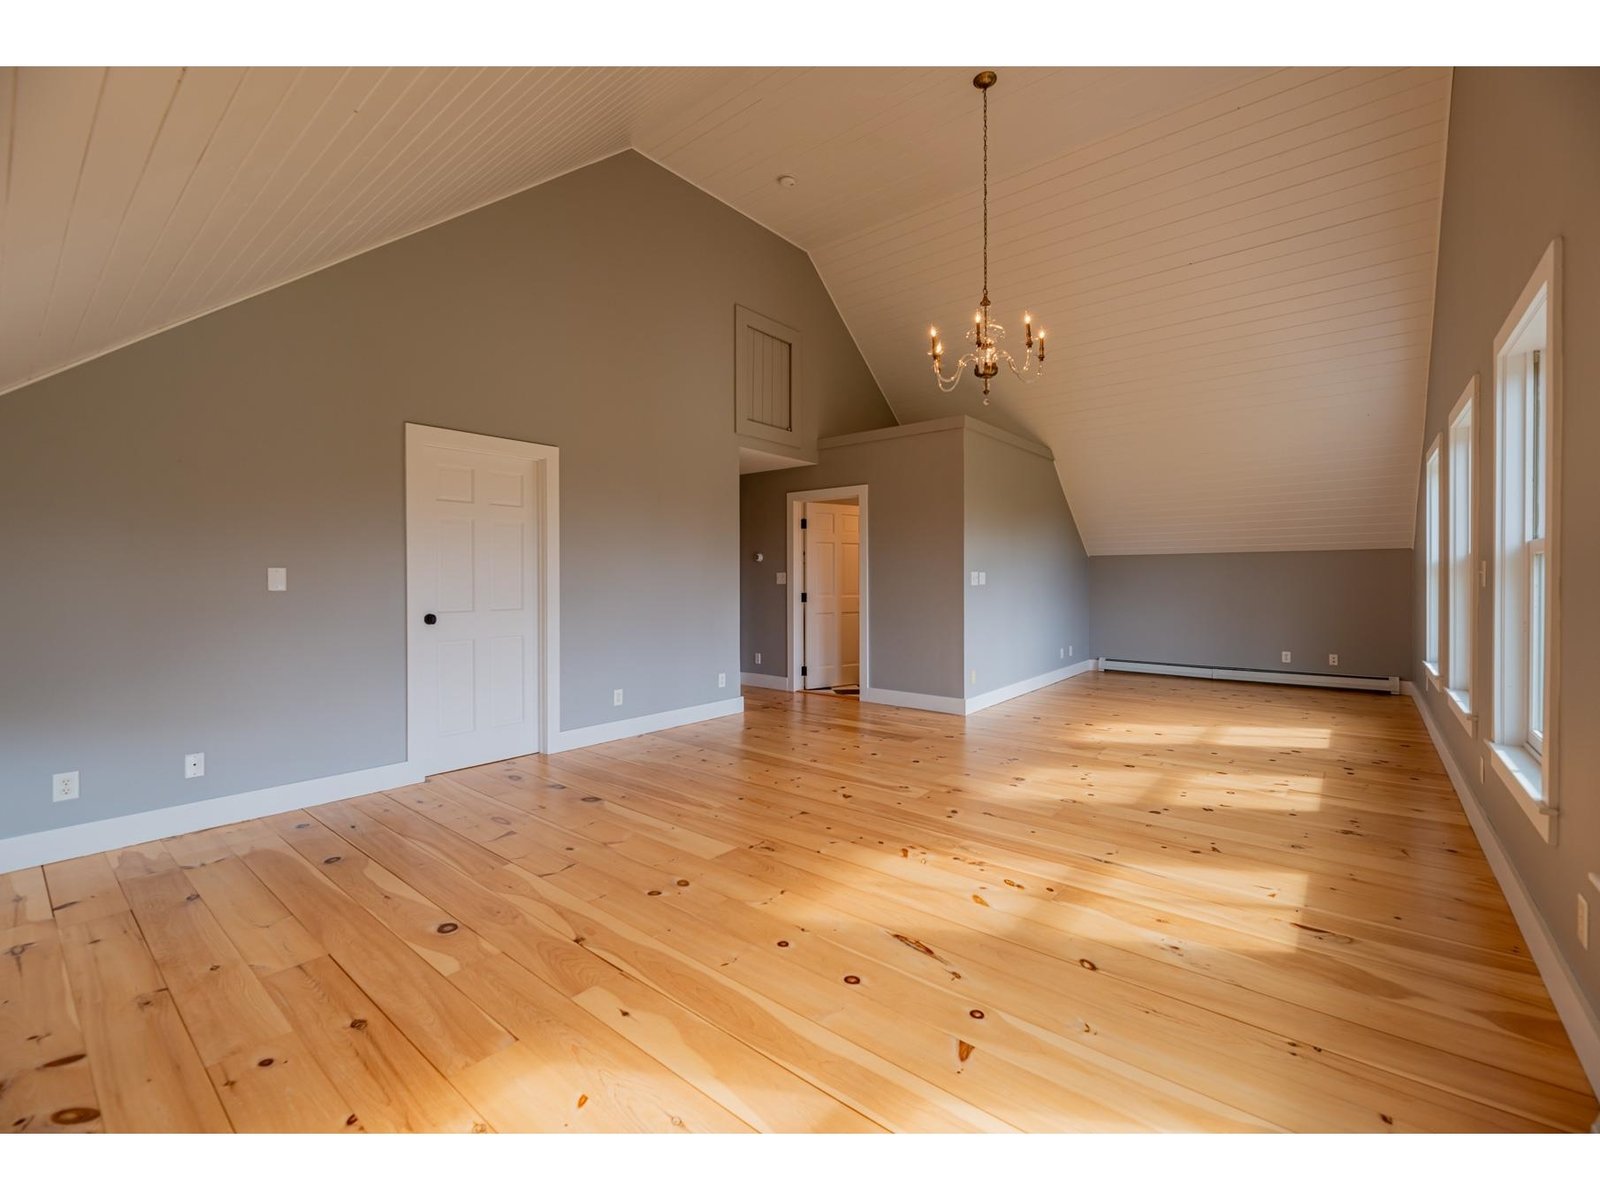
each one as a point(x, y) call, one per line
point(833, 595)
point(473, 551)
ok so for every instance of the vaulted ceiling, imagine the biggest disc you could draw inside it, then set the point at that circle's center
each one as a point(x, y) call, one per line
point(1235, 265)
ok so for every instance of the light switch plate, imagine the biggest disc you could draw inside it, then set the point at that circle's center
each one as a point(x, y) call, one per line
point(983, 579)
point(974, 579)
point(277, 579)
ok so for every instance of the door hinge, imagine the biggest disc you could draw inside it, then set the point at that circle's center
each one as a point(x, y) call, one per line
point(802, 522)
point(802, 597)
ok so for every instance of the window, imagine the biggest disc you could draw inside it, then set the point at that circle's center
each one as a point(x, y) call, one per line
point(1461, 519)
point(1526, 563)
point(1432, 502)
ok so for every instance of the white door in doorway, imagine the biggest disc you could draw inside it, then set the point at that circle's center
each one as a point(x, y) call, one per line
point(474, 598)
point(832, 595)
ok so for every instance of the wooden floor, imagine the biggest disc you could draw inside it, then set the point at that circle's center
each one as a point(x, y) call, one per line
point(1123, 903)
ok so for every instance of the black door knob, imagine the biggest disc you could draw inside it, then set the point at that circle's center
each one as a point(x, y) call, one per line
point(430, 619)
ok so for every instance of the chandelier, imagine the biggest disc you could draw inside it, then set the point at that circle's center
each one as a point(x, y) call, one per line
point(985, 335)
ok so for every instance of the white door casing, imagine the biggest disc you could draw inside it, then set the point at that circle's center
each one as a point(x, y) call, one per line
point(855, 642)
point(832, 590)
point(480, 598)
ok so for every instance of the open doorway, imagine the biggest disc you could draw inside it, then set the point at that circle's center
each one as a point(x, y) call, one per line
point(828, 629)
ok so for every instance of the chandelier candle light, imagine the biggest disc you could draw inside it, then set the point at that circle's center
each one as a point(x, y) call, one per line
point(985, 335)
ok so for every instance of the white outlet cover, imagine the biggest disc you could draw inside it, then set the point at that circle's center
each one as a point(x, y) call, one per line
point(983, 579)
point(616, 698)
point(1286, 657)
point(758, 658)
point(722, 679)
point(783, 578)
point(974, 579)
point(1069, 649)
point(64, 786)
point(194, 766)
point(277, 579)
point(1333, 660)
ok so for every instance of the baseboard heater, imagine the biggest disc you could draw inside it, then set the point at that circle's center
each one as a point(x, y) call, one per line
point(1362, 683)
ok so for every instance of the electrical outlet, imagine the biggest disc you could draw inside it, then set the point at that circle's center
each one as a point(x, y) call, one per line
point(1333, 660)
point(1286, 657)
point(783, 578)
point(1583, 920)
point(1069, 649)
point(194, 766)
point(616, 698)
point(64, 786)
point(974, 579)
point(722, 679)
point(1063, 654)
point(974, 674)
point(983, 579)
point(277, 579)
point(758, 658)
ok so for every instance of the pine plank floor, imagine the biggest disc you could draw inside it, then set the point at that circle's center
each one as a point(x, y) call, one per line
point(1121, 903)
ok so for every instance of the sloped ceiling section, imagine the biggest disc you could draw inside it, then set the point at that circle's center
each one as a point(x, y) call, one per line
point(1235, 265)
point(1235, 268)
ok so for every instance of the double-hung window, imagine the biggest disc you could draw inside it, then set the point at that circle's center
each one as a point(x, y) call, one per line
point(1432, 510)
point(1527, 421)
point(1461, 541)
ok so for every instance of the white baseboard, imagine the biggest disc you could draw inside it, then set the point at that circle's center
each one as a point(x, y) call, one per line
point(612, 731)
point(953, 705)
point(93, 837)
point(776, 683)
point(1363, 683)
point(1023, 687)
point(1582, 1025)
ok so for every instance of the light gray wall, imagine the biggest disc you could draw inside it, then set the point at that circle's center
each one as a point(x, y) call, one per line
point(1021, 535)
point(1523, 167)
point(1243, 610)
point(914, 524)
point(145, 493)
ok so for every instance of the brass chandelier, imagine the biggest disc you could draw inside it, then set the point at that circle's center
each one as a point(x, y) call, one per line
point(985, 335)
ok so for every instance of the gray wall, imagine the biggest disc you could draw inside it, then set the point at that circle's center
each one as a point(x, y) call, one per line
point(1524, 167)
point(1243, 610)
point(1021, 535)
point(144, 493)
point(914, 523)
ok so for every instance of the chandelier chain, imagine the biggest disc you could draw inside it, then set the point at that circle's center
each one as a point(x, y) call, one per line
point(985, 194)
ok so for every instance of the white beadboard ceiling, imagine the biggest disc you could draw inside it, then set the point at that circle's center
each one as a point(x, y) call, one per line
point(1235, 266)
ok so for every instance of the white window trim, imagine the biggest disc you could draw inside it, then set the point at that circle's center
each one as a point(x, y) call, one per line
point(1457, 692)
point(1533, 783)
point(1433, 560)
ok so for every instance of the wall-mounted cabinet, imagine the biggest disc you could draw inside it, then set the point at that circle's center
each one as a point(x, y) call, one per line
point(774, 423)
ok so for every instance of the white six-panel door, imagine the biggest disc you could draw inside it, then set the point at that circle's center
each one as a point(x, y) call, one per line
point(833, 595)
point(473, 557)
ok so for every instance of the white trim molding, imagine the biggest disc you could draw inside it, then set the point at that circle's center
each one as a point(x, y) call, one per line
point(776, 683)
point(1360, 683)
point(954, 705)
point(1021, 688)
point(796, 577)
point(1580, 1020)
point(113, 833)
point(614, 731)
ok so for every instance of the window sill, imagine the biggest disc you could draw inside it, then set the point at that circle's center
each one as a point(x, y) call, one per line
point(1461, 704)
point(1431, 670)
point(1524, 779)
